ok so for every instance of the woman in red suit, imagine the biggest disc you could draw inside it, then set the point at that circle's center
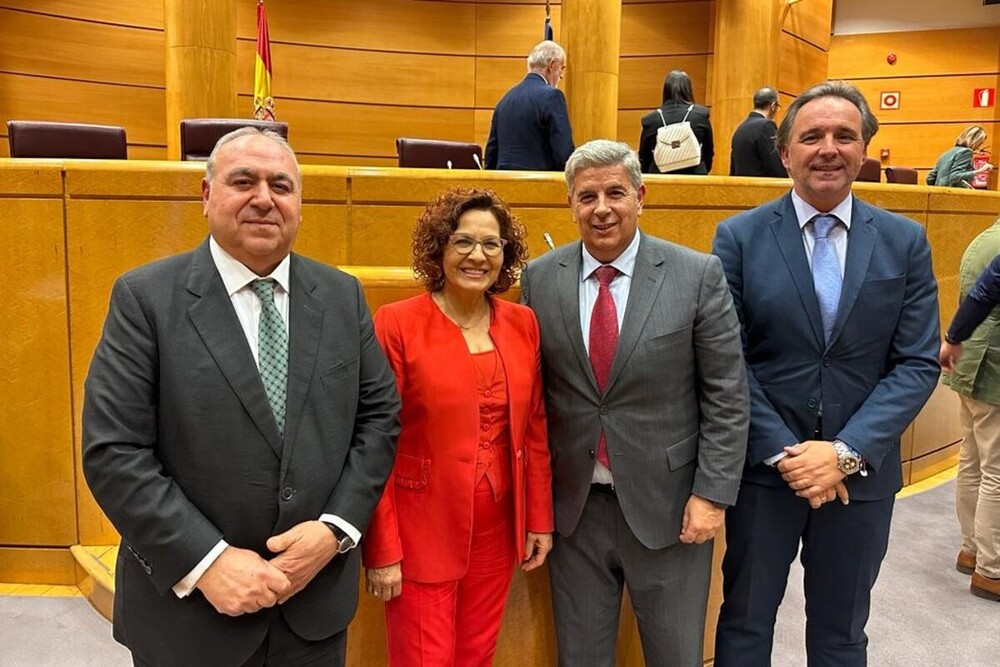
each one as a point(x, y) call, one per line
point(470, 494)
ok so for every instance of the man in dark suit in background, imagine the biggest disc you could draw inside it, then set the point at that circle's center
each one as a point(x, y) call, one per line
point(530, 127)
point(754, 150)
point(647, 429)
point(840, 331)
point(238, 428)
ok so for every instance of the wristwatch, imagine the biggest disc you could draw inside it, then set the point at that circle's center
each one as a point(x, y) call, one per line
point(848, 460)
point(344, 541)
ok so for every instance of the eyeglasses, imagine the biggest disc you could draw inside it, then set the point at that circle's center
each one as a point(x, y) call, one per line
point(465, 244)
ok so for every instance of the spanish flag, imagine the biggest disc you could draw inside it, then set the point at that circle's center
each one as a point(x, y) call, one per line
point(263, 103)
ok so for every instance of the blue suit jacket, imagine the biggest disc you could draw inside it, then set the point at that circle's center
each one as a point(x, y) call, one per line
point(530, 128)
point(881, 363)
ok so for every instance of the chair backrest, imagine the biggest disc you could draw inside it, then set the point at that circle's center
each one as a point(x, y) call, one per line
point(432, 153)
point(35, 139)
point(871, 171)
point(901, 175)
point(199, 135)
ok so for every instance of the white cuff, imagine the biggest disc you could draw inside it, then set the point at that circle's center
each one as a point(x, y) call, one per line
point(185, 586)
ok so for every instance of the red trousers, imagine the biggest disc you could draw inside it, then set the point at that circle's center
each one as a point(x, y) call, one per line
point(457, 622)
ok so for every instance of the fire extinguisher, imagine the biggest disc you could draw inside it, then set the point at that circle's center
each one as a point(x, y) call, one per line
point(981, 181)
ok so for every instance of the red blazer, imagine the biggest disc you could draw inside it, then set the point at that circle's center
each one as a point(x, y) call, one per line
point(425, 515)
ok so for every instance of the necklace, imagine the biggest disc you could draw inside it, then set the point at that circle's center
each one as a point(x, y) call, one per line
point(470, 324)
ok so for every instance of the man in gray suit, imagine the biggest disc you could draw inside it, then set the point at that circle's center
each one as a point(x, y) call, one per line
point(238, 428)
point(647, 428)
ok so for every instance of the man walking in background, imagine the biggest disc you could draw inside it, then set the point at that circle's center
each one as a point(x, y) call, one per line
point(530, 128)
point(754, 149)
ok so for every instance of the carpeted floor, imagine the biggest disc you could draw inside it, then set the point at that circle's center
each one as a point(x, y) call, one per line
point(922, 612)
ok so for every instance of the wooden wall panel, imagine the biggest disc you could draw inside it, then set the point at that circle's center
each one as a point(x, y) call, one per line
point(141, 111)
point(920, 54)
point(36, 459)
point(82, 51)
point(410, 26)
point(494, 75)
point(136, 13)
point(366, 77)
point(801, 64)
point(512, 30)
point(935, 74)
point(811, 22)
point(641, 84)
point(37, 566)
point(666, 28)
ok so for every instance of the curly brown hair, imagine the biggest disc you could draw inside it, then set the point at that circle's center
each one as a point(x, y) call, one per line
point(439, 221)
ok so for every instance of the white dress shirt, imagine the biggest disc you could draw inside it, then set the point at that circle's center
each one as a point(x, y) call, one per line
point(625, 263)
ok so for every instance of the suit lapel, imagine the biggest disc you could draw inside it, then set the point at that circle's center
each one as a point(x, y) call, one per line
point(568, 288)
point(860, 245)
point(647, 279)
point(788, 235)
point(215, 321)
point(305, 315)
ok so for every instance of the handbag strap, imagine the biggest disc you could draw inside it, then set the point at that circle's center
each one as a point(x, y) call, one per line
point(683, 120)
point(686, 113)
point(662, 119)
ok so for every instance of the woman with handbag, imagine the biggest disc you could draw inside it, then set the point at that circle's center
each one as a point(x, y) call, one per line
point(954, 167)
point(678, 106)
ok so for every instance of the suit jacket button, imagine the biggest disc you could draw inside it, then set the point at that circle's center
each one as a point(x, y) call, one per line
point(148, 569)
point(287, 493)
point(604, 410)
point(591, 454)
point(813, 403)
point(826, 362)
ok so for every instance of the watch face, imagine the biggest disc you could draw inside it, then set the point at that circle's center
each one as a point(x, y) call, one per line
point(848, 465)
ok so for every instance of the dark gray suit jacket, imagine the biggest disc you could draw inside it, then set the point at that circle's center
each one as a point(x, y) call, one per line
point(754, 151)
point(675, 408)
point(180, 447)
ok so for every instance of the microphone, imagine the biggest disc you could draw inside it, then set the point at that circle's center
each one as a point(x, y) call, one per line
point(475, 158)
point(548, 240)
point(449, 164)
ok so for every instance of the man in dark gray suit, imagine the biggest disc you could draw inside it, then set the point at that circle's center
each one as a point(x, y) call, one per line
point(647, 428)
point(238, 428)
point(754, 150)
point(530, 127)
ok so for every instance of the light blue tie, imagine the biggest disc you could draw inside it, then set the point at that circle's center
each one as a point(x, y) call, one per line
point(827, 279)
point(272, 350)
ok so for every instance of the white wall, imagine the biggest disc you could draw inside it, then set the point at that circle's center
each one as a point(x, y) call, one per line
point(866, 16)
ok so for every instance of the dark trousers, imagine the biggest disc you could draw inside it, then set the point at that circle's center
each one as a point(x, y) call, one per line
point(842, 550)
point(668, 588)
point(281, 648)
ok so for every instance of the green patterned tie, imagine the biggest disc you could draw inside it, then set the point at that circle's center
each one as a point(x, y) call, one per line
point(272, 350)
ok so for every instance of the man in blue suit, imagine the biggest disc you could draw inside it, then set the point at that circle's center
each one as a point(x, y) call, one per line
point(530, 128)
point(839, 310)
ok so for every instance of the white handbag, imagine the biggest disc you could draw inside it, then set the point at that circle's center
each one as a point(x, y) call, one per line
point(676, 145)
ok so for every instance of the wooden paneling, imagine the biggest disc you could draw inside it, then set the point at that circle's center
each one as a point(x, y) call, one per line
point(506, 30)
point(36, 458)
point(367, 77)
point(494, 75)
point(37, 566)
point(140, 110)
point(811, 21)
point(387, 25)
point(931, 99)
point(666, 28)
point(136, 13)
point(800, 64)
point(921, 54)
point(917, 145)
point(83, 51)
point(340, 129)
point(641, 85)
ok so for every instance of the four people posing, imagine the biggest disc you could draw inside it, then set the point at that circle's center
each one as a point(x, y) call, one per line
point(237, 535)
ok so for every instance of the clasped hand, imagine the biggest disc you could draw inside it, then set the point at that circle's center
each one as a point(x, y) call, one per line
point(810, 469)
point(241, 582)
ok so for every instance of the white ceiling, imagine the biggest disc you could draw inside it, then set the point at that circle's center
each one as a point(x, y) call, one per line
point(865, 16)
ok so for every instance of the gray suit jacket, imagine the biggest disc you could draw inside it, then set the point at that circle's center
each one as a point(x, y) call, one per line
point(180, 447)
point(675, 409)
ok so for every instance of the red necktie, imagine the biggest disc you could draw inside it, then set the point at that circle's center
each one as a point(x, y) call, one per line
point(603, 341)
